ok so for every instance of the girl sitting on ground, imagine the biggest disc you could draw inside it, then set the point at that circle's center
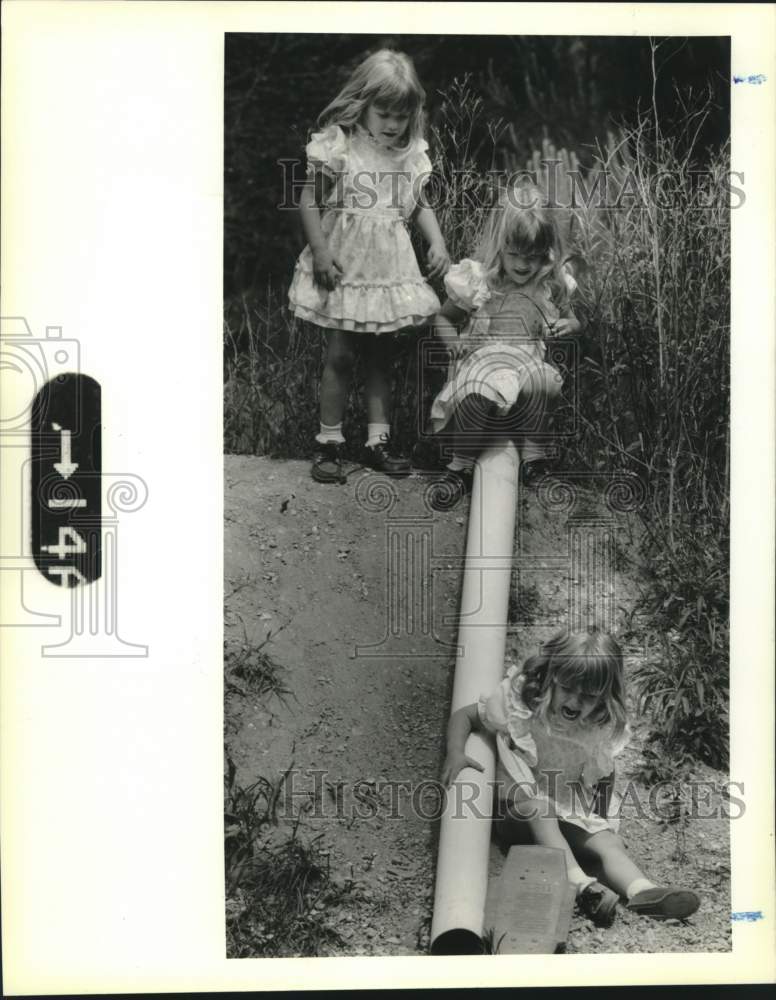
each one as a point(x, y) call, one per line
point(559, 723)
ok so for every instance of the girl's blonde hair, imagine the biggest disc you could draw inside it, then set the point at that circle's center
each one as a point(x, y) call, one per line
point(520, 222)
point(387, 79)
point(590, 661)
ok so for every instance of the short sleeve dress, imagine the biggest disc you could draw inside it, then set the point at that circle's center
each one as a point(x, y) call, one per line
point(364, 220)
point(558, 762)
point(501, 347)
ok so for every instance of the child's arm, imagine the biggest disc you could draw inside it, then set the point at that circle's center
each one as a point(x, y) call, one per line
point(438, 257)
point(447, 323)
point(567, 323)
point(462, 723)
point(326, 269)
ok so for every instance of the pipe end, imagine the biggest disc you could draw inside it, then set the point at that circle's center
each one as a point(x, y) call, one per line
point(458, 942)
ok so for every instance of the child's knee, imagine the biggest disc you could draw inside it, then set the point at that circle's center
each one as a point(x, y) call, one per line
point(523, 803)
point(341, 360)
point(604, 842)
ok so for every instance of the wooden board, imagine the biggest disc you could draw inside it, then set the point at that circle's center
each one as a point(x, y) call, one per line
point(533, 902)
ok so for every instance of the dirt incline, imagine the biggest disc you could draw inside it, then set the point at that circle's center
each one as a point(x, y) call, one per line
point(369, 681)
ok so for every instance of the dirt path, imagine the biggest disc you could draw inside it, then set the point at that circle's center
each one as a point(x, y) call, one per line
point(310, 564)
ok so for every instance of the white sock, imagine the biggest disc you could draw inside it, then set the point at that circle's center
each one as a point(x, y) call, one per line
point(460, 464)
point(377, 433)
point(333, 433)
point(578, 878)
point(639, 885)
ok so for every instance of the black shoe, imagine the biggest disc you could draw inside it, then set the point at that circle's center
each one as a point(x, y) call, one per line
point(426, 456)
point(665, 901)
point(382, 457)
point(598, 903)
point(327, 463)
point(532, 473)
point(446, 492)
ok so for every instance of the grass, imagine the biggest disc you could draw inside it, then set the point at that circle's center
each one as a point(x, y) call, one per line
point(279, 887)
point(250, 669)
point(654, 402)
point(490, 946)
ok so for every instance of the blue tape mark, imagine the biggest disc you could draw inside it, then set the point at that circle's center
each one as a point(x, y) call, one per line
point(748, 916)
point(756, 78)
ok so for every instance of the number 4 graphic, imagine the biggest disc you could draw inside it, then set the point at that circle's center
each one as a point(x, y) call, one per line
point(62, 549)
point(70, 542)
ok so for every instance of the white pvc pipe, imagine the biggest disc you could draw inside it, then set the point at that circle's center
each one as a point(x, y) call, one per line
point(464, 839)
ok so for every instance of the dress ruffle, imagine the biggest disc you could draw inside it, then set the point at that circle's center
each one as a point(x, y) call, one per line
point(466, 285)
point(327, 151)
point(498, 372)
point(354, 307)
point(419, 165)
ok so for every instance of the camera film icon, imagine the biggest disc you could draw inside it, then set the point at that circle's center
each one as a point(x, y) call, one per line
point(66, 473)
point(28, 364)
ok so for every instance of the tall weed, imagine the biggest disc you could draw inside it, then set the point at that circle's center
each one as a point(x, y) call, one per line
point(654, 400)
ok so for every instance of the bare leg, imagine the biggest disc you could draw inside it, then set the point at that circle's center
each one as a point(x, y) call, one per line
point(378, 355)
point(607, 848)
point(536, 402)
point(472, 426)
point(337, 373)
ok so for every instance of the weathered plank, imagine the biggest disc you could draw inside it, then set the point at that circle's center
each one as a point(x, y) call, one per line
point(533, 902)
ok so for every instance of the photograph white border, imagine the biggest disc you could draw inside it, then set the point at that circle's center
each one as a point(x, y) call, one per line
point(112, 787)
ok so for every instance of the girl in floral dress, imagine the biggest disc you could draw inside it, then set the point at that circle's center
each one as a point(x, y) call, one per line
point(358, 277)
point(559, 723)
point(500, 308)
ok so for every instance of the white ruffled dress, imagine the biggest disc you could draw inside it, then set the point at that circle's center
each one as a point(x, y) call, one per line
point(560, 762)
point(501, 348)
point(364, 221)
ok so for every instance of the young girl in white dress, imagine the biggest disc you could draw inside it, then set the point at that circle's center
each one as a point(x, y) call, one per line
point(559, 723)
point(358, 277)
point(500, 307)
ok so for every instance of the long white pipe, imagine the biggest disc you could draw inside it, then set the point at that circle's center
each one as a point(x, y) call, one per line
point(464, 839)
